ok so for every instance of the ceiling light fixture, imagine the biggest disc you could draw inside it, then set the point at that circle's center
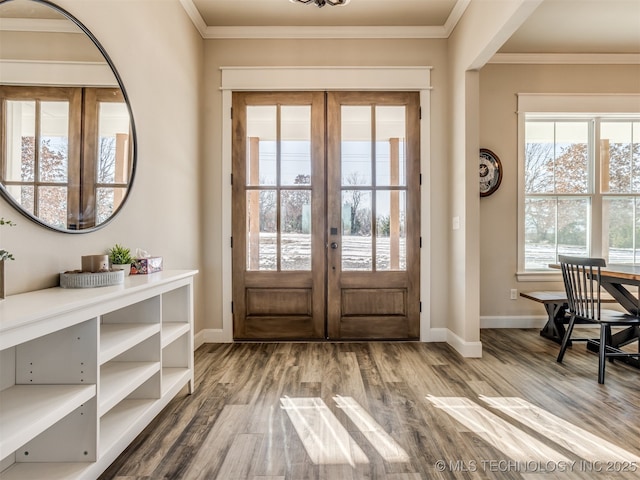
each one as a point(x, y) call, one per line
point(322, 3)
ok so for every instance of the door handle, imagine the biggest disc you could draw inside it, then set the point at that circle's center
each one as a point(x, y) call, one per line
point(334, 245)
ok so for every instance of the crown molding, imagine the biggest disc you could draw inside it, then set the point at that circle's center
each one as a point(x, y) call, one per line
point(455, 15)
point(566, 58)
point(317, 32)
point(272, 32)
point(195, 16)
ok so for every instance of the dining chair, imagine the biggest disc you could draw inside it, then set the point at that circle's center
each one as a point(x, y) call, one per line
point(581, 277)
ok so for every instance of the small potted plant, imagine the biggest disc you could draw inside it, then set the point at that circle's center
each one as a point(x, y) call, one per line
point(120, 258)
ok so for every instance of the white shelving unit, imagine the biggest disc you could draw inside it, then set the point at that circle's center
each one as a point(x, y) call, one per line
point(83, 371)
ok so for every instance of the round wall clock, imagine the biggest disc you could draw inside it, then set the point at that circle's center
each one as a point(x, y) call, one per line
point(490, 172)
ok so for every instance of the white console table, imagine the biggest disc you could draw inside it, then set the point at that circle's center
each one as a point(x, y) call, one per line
point(83, 371)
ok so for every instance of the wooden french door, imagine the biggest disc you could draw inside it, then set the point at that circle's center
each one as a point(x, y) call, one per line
point(326, 215)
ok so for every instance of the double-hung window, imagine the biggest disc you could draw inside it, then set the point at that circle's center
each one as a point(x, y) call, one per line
point(579, 179)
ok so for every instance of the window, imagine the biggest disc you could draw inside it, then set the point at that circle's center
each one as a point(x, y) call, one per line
point(579, 184)
point(65, 155)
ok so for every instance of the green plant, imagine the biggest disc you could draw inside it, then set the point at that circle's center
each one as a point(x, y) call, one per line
point(120, 255)
point(4, 255)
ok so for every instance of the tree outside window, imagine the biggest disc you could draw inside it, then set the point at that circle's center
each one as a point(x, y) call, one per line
point(575, 170)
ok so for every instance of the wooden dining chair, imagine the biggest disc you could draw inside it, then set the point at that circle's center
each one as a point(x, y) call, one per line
point(581, 277)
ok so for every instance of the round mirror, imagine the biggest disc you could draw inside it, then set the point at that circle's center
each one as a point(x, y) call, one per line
point(67, 136)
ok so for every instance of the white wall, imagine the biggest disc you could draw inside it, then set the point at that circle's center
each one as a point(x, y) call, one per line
point(158, 54)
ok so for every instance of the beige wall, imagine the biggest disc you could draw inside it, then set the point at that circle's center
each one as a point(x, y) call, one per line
point(158, 54)
point(172, 77)
point(319, 53)
point(475, 39)
point(499, 85)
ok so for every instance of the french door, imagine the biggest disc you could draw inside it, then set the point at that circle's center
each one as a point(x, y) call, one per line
point(326, 215)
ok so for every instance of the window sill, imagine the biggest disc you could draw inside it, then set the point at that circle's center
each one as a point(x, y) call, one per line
point(539, 276)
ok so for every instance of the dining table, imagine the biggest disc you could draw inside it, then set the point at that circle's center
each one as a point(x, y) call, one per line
point(618, 280)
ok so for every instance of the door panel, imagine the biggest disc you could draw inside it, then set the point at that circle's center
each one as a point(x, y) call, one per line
point(278, 215)
point(326, 226)
point(372, 180)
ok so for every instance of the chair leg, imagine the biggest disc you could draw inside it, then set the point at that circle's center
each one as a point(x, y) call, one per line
point(566, 338)
point(602, 352)
point(609, 342)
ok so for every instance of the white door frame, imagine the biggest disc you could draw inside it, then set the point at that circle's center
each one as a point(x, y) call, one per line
point(324, 78)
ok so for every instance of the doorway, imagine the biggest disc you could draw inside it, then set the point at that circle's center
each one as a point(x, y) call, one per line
point(326, 215)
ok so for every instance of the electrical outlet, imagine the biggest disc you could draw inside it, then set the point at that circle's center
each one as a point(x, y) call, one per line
point(514, 294)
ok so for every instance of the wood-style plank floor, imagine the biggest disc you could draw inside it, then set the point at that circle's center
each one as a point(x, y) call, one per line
point(394, 411)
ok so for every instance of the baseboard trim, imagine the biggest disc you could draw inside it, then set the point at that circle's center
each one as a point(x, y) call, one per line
point(527, 321)
point(464, 348)
point(210, 335)
point(435, 335)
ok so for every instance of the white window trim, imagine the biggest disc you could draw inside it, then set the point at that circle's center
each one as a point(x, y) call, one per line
point(566, 105)
point(325, 78)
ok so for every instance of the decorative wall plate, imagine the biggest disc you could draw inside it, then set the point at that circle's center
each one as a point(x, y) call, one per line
point(490, 172)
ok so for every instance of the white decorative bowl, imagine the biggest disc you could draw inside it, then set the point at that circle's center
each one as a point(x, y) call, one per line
point(91, 280)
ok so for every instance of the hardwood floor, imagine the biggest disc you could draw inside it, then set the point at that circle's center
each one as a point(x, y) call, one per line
point(395, 411)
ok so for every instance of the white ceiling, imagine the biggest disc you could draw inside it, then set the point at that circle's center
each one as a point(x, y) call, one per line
point(556, 26)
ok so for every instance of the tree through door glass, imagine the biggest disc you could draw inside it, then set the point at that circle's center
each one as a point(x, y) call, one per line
point(373, 172)
point(278, 167)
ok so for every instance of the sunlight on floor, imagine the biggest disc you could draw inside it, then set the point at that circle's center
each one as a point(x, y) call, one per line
point(573, 438)
point(327, 441)
point(386, 446)
point(510, 440)
point(324, 438)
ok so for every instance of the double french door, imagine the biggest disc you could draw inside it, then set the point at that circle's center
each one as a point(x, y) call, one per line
point(326, 215)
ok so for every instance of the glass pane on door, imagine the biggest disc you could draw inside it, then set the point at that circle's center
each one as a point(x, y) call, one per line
point(279, 219)
point(356, 145)
point(381, 166)
point(295, 134)
point(113, 144)
point(54, 142)
point(357, 239)
point(261, 145)
point(391, 145)
point(52, 206)
point(262, 230)
point(295, 224)
point(20, 141)
point(391, 240)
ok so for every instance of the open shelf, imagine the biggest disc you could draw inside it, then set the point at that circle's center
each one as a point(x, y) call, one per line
point(28, 410)
point(84, 371)
point(173, 331)
point(119, 379)
point(118, 421)
point(47, 471)
point(116, 338)
point(174, 377)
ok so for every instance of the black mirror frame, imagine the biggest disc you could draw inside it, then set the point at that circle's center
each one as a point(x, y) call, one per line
point(134, 145)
